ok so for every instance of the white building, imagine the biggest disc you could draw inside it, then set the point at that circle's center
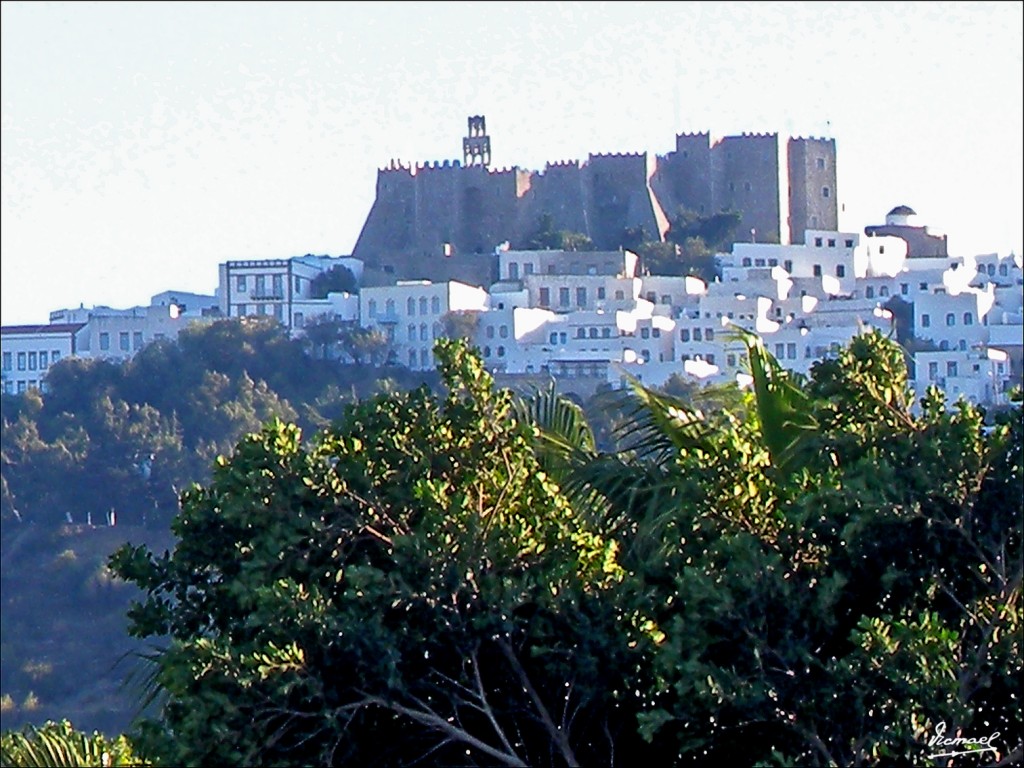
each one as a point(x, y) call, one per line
point(28, 352)
point(282, 288)
point(412, 313)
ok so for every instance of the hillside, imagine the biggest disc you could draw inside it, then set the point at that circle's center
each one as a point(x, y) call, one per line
point(63, 639)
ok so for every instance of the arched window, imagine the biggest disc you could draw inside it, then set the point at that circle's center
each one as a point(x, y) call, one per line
point(410, 306)
point(968, 318)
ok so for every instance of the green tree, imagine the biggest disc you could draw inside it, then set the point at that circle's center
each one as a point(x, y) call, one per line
point(546, 237)
point(337, 279)
point(409, 587)
point(834, 574)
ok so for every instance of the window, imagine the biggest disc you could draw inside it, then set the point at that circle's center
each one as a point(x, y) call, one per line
point(33, 361)
point(821, 163)
point(1002, 270)
point(298, 284)
point(883, 291)
point(645, 333)
point(563, 337)
point(423, 305)
point(241, 309)
point(684, 334)
point(104, 343)
point(933, 371)
point(787, 265)
point(424, 358)
point(581, 297)
point(780, 351)
point(501, 351)
point(411, 332)
point(123, 341)
point(711, 359)
point(656, 333)
point(435, 305)
point(372, 307)
point(968, 318)
point(619, 295)
point(299, 320)
point(545, 297)
point(527, 268)
point(709, 334)
point(746, 262)
point(951, 368)
point(840, 270)
point(410, 306)
point(926, 321)
point(791, 351)
point(818, 242)
point(606, 333)
point(697, 334)
point(240, 283)
point(849, 243)
point(389, 307)
point(8, 361)
point(825, 192)
point(758, 262)
point(646, 355)
point(487, 351)
point(881, 250)
point(600, 294)
point(423, 331)
point(950, 319)
point(730, 360)
point(513, 270)
point(904, 289)
point(869, 292)
point(278, 282)
point(593, 333)
point(563, 297)
point(137, 340)
point(922, 286)
point(773, 262)
point(412, 358)
point(553, 338)
point(581, 333)
point(831, 242)
point(261, 285)
point(817, 270)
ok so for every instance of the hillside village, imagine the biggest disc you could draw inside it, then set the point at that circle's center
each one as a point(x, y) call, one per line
point(594, 317)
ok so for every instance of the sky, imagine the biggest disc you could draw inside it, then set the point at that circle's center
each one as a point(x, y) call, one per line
point(145, 143)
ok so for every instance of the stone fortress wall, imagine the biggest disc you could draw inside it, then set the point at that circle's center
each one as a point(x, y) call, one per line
point(442, 220)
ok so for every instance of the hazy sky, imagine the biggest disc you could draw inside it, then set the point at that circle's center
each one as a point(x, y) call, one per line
point(144, 143)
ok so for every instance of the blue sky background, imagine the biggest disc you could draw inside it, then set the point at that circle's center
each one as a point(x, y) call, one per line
point(144, 143)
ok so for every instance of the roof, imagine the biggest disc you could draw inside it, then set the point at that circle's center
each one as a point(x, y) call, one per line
point(50, 328)
point(902, 210)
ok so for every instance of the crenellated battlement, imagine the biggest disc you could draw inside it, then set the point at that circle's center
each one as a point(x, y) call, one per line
point(562, 164)
point(820, 139)
point(695, 135)
point(617, 155)
point(755, 135)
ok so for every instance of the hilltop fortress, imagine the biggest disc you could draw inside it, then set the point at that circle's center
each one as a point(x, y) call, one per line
point(442, 220)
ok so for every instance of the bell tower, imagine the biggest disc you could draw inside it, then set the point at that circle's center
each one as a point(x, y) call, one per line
point(476, 147)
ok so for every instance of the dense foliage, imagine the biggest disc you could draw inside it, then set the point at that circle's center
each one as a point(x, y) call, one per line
point(130, 437)
point(813, 573)
point(59, 745)
point(411, 584)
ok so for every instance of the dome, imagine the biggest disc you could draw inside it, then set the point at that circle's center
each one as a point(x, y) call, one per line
point(902, 210)
point(901, 216)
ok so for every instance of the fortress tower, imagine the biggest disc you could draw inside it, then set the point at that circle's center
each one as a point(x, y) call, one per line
point(476, 147)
